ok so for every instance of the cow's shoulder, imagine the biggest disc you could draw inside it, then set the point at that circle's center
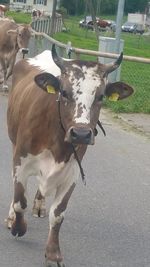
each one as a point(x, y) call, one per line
point(21, 71)
point(7, 24)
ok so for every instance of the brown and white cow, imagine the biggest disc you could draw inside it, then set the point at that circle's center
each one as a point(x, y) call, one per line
point(53, 110)
point(12, 38)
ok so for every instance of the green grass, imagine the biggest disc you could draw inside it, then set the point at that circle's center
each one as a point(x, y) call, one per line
point(135, 74)
point(19, 17)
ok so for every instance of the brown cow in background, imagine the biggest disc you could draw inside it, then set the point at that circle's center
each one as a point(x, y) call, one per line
point(13, 38)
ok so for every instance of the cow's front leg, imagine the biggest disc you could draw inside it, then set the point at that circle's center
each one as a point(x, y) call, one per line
point(11, 65)
point(15, 220)
point(18, 206)
point(56, 216)
point(39, 209)
point(4, 68)
point(19, 225)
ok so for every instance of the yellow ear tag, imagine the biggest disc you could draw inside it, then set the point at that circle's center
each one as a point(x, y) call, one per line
point(51, 89)
point(114, 97)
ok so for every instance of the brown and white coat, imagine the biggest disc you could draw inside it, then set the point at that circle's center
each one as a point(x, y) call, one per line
point(54, 106)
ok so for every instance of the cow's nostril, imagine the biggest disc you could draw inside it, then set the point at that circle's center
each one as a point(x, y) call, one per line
point(73, 133)
point(89, 134)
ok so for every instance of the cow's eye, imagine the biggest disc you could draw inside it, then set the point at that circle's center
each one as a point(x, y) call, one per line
point(100, 97)
point(64, 94)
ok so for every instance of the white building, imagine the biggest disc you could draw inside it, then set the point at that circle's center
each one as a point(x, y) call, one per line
point(137, 18)
point(44, 6)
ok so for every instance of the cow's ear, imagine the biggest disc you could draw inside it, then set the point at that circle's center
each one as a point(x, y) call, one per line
point(47, 82)
point(12, 32)
point(118, 91)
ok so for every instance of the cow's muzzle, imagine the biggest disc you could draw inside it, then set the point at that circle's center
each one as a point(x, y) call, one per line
point(80, 135)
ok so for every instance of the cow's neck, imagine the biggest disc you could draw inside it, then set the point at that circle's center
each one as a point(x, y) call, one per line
point(61, 150)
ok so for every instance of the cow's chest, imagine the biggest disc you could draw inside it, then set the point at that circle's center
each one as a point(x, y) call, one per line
point(50, 174)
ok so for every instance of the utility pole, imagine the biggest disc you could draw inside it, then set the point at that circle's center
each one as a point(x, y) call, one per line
point(52, 28)
point(119, 23)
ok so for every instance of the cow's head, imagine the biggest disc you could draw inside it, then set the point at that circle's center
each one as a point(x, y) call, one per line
point(22, 34)
point(82, 86)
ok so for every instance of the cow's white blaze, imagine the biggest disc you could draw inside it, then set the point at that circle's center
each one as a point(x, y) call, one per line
point(84, 90)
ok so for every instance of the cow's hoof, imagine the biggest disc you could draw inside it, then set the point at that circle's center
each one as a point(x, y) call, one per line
point(5, 88)
point(54, 264)
point(9, 221)
point(39, 213)
point(19, 229)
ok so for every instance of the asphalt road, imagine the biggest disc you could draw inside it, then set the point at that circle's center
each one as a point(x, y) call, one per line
point(107, 222)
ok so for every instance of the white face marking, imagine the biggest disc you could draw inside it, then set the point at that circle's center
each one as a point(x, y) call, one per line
point(87, 89)
point(76, 66)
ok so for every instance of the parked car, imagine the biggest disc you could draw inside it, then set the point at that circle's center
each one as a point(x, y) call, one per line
point(140, 29)
point(128, 27)
point(113, 26)
point(86, 22)
point(132, 27)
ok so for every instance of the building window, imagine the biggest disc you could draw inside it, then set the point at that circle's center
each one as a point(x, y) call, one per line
point(40, 2)
point(20, 1)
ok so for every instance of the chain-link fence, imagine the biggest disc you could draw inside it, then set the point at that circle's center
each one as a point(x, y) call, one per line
point(137, 75)
point(134, 71)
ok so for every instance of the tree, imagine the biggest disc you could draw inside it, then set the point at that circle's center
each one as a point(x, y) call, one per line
point(74, 7)
point(109, 6)
point(4, 2)
point(135, 6)
point(77, 7)
point(92, 9)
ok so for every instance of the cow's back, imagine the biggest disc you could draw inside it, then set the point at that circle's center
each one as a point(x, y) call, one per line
point(28, 106)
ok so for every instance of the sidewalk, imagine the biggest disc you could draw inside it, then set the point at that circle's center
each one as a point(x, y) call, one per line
point(134, 121)
point(139, 121)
